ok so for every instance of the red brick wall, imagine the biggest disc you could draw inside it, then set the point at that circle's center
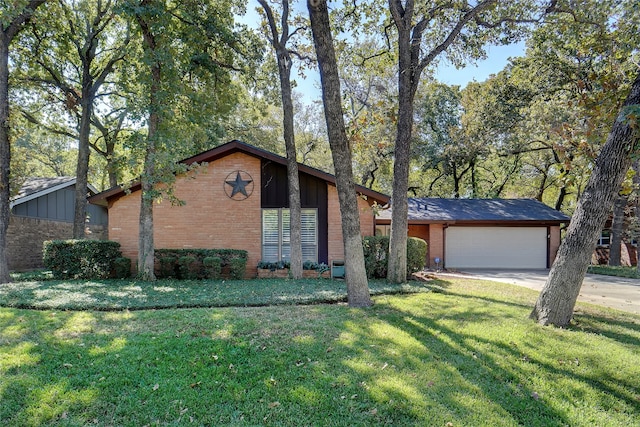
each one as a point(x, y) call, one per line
point(335, 243)
point(554, 243)
point(25, 237)
point(208, 218)
point(436, 244)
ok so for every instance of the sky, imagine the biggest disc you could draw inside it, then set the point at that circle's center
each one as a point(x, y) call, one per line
point(497, 58)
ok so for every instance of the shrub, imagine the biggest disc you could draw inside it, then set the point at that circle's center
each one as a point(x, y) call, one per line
point(416, 255)
point(167, 266)
point(227, 257)
point(212, 267)
point(122, 267)
point(376, 250)
point(188, 268)
point(237, 268)
point(80, 259)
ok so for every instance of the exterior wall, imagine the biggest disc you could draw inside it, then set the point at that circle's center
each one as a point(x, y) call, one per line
point(208, 219)
point(335, 243)
point(554, 243)
point(25, 237)
point(436, 244)
point(59, 206)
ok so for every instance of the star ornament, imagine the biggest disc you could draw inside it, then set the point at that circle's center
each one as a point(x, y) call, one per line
point(240, 187)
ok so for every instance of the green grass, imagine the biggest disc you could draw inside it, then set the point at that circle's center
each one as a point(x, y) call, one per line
point(134, 295)
point(465, 355)
point(631, 272)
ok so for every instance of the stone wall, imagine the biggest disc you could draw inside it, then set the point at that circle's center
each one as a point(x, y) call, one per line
point(25, 237)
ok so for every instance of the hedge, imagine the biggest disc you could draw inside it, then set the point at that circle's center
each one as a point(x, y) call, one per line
point(81, 259)
point(190, 263)
point(376, 250)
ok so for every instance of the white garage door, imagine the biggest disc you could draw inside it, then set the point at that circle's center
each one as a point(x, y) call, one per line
point(495, 247)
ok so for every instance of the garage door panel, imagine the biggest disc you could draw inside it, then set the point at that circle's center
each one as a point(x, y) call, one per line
point(496, 247)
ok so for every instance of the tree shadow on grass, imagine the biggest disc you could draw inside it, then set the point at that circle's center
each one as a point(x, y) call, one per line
point(513, 365)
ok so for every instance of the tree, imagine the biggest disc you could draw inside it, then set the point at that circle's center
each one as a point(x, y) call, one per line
point(13, 17)
point(355, 273)
point(189, 49)
point(424, 31)
point(74, 56)
point(278, 41)
point(559, 294)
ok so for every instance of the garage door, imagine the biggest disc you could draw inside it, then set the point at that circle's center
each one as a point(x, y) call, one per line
point(496, 247)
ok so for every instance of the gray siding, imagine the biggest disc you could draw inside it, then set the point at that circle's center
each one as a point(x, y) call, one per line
point(59, 206)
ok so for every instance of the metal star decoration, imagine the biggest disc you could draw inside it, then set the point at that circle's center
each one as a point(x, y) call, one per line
point(239, 185)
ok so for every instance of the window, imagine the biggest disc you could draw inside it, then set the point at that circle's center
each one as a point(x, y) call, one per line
point(605, 238)
point(383, 230)
point(276, 235)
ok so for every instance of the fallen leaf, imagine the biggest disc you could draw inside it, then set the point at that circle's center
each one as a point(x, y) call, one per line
point(449, 424)
point(329, 350)
point(430, 384)
point(535, 395)
point(156, 386)
point(373, 411)
point(274, 404)
point(194, 385)
point(67, 365)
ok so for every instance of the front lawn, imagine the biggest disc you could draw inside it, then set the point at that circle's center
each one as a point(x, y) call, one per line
point(464, 355)
point(132, 294)
point(631, 272)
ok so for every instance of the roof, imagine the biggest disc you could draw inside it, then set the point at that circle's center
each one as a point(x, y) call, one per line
point(230, 148)
point(478, 210)
point(35, 187)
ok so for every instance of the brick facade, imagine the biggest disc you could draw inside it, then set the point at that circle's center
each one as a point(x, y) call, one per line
point(25, 237)
point(210, 219)
point(367, 226)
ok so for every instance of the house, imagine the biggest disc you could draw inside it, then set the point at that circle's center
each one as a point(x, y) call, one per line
point(238, 199)
point(43, 210)
point(483, 233)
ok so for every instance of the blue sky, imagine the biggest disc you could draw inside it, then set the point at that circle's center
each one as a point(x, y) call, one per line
point(497, 58)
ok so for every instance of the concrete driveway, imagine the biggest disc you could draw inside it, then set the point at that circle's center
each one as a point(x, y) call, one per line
point(609, 291)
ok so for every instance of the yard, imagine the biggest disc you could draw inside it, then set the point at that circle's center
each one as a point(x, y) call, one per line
point(456, 352)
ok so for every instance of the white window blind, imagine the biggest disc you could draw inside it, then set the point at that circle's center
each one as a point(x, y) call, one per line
point(276, 235)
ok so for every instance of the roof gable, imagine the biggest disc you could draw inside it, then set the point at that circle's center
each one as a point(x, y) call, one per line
point(479, 210)
point(37, 187)
point(234, 147)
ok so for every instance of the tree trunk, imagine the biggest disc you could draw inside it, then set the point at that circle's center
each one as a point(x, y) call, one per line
point(10, 26)
point(146, 250)
point(284, 71)
point(5, 156)
point(407, 85)
point(617, 228)
point(355, 273)
point(559, 294)
point(82, 167)
point(636, 227)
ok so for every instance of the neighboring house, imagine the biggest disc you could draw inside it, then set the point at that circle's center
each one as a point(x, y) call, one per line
point(43, 210)
point(483, 233)
point(628, 247)
point(238, 199)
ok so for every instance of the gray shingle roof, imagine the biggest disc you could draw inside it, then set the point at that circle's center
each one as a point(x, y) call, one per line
point(37, 185)
point(433, 209)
